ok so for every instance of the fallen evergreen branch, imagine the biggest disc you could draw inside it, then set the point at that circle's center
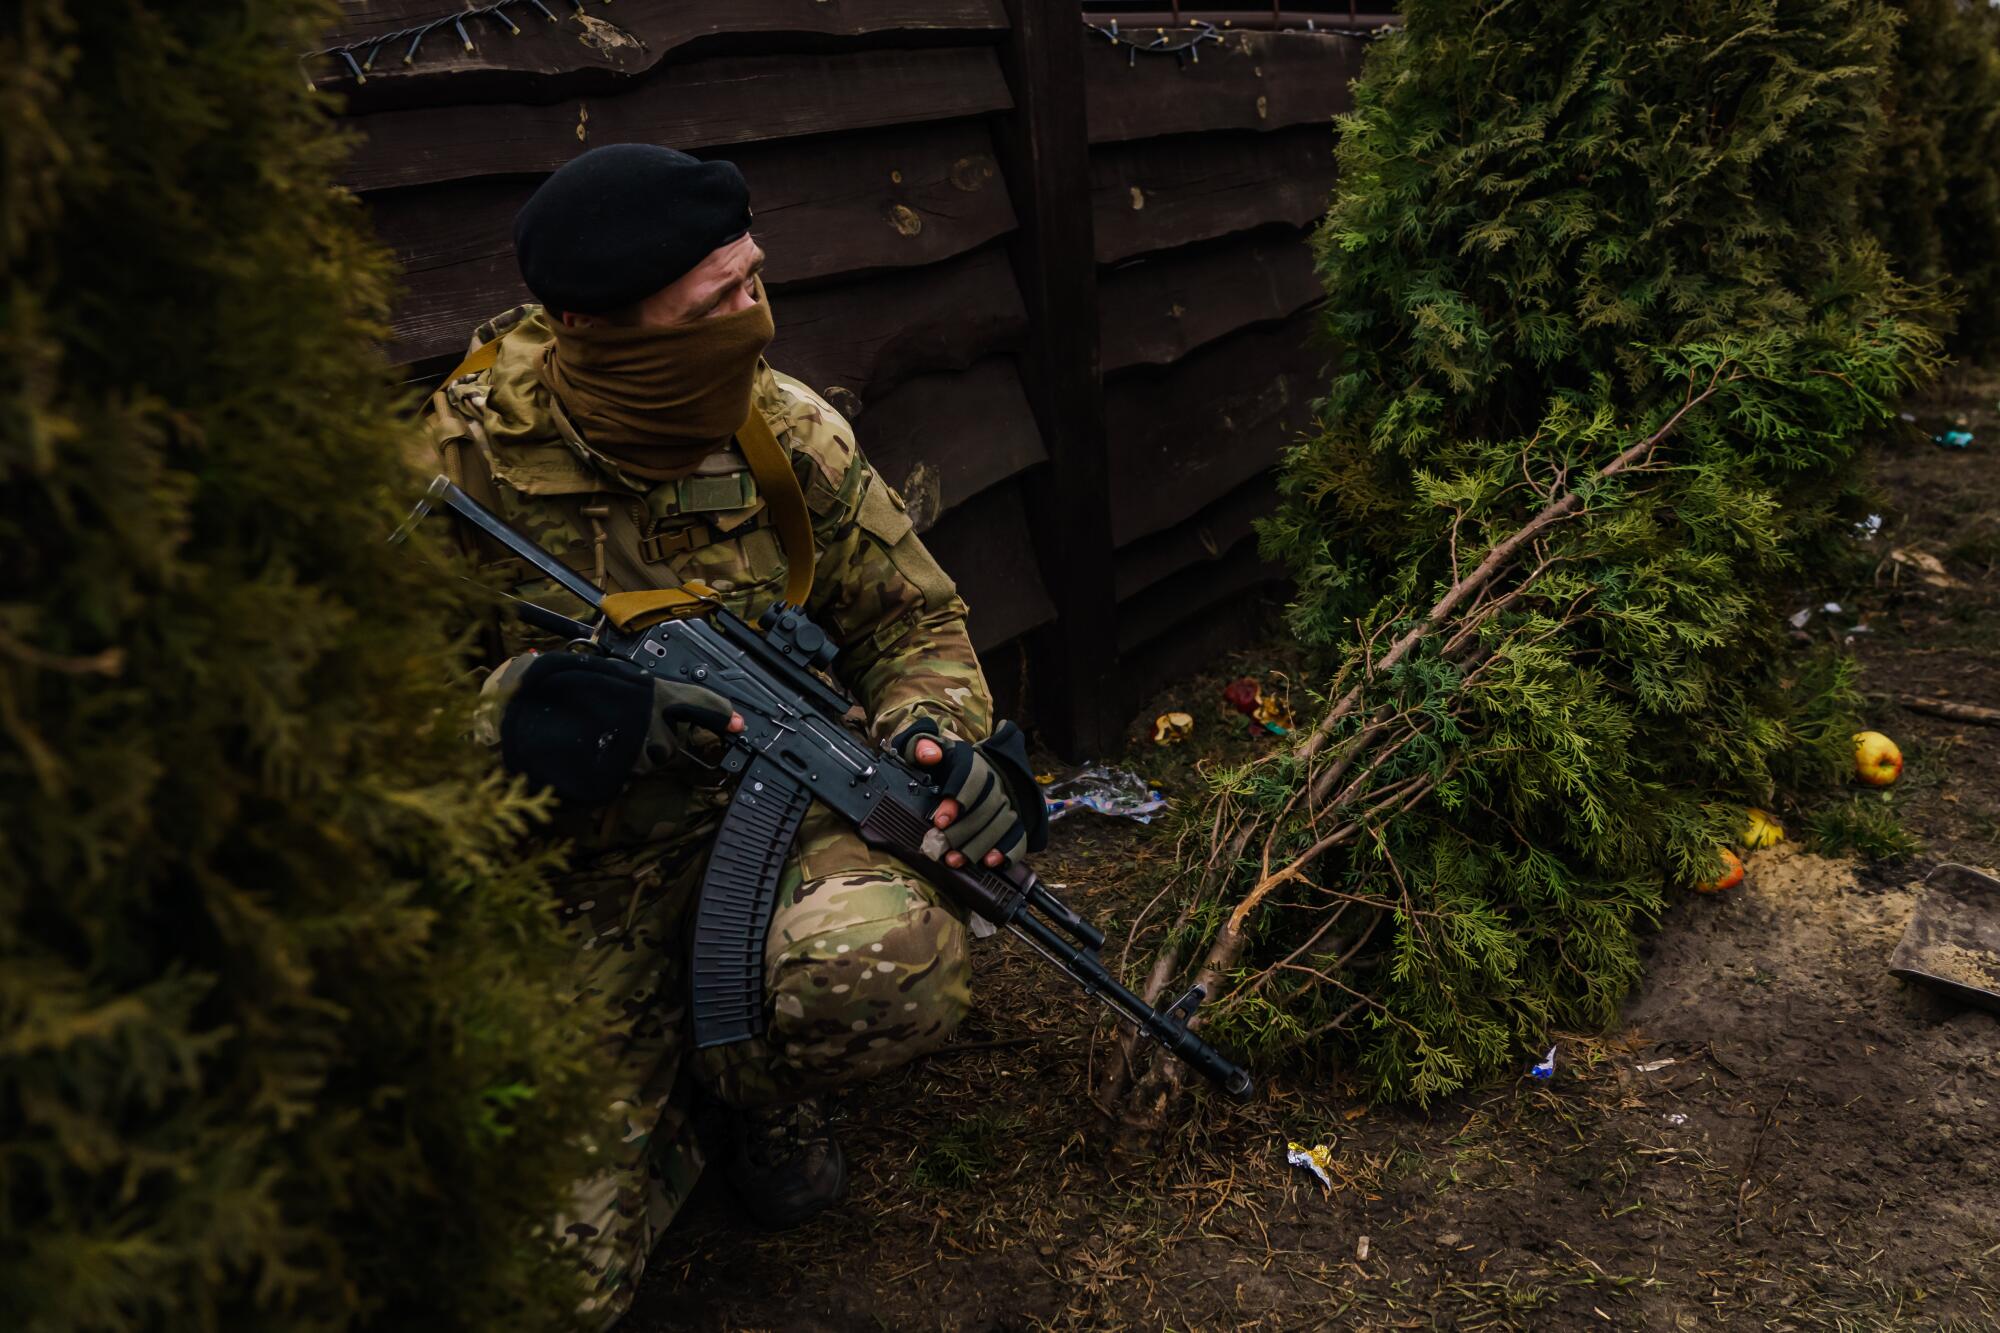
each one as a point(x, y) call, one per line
point(1324, 759)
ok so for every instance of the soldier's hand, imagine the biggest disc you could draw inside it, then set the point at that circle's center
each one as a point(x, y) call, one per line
point(583, 725)
point(930, 754)
point(992, 810)
point(679, 708)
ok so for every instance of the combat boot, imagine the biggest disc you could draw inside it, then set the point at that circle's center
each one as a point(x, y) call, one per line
point(785, 1164)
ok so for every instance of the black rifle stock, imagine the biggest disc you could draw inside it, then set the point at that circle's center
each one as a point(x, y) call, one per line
point(795, 748)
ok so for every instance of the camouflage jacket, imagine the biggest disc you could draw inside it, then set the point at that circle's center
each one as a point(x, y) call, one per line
point(898, 619)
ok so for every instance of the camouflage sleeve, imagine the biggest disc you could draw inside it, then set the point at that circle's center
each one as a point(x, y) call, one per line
point(495, 695)
point(900, 621)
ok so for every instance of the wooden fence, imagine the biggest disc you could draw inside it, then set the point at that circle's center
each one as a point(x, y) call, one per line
point(1060, 283)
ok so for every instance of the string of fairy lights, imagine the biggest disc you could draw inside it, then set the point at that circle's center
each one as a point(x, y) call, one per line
point(1184, 43)
point(1183, 46)
point(358, 58)
point(411, 39)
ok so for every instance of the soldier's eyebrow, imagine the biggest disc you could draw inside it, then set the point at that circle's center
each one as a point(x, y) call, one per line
point(708, 307)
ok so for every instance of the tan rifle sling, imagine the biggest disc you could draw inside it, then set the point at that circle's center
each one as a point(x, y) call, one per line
point(779, 485)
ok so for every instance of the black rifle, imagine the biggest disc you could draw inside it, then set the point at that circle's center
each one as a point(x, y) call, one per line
point(795, 748)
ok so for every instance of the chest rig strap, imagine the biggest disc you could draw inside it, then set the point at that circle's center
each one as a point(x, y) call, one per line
point(786, 502)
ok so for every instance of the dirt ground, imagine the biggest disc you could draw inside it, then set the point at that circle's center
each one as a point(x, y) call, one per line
point(1781, 1136)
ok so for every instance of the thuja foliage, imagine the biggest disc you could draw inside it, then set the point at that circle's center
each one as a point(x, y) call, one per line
point(1934, 197)
point(283, 1039)
point(1562, 230)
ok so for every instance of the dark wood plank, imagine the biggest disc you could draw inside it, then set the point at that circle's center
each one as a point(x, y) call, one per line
point(702, 105)
point(874, 199)
point(1323, 17)
point(1006, 668)
point(985, 546)
point(1155, 194)
point(1248, 81)
point(1156, 310)
point(1045, 151)
point(662, 24)
point(1166, 606)
point(1204, 631)
point(1183, 438)
point(597, 49)
point(866, 337)
point(437, 309)
point(942, 439)
point(854, 341)
point(1167, 555)
point(880, 199)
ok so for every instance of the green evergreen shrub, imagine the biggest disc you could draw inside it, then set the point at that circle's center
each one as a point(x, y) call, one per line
point(1934, 196)
point(1561, 230)
point(284, 1039)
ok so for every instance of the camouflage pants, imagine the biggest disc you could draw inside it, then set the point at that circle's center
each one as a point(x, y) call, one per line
point(864, 970)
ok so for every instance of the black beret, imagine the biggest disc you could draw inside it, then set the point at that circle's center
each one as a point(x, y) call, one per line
point(620, 222)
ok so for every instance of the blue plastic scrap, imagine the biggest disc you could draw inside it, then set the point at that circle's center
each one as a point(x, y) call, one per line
point(1953, 439)
point(1544, 1069)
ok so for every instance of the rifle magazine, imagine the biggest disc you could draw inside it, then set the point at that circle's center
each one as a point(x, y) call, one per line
point(738, 891)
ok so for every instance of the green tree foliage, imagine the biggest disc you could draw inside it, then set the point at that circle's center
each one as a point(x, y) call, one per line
point(1562, 229)
point(1934, 197)
point(284, 1042)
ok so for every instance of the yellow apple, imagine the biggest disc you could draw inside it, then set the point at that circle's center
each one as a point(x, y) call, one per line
point(1731, 876)
point(1761, 829)
point(1877, 761)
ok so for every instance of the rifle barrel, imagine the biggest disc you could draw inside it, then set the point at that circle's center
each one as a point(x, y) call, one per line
point(445, 492)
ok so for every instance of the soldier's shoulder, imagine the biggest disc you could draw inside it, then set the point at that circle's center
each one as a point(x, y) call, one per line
point(502, 359)
point(515, 377)
point(813, 429)
point(789, 396)
point(505, 410)
point(530, 318)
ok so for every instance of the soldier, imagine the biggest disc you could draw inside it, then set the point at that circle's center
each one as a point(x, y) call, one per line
point(619, 422)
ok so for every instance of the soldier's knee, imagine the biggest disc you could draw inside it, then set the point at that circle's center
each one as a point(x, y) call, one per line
point(867, 992)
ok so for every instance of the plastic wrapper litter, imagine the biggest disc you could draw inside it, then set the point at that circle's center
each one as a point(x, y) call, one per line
point(1111, 791)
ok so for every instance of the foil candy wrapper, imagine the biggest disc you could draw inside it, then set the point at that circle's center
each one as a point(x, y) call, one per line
point(1316, 1159)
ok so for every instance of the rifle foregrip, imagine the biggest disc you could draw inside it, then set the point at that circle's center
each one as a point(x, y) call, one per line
point(997, 895)
point(733, 912)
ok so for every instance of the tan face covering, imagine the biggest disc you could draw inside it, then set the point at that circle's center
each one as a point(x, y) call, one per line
point(658, 401)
